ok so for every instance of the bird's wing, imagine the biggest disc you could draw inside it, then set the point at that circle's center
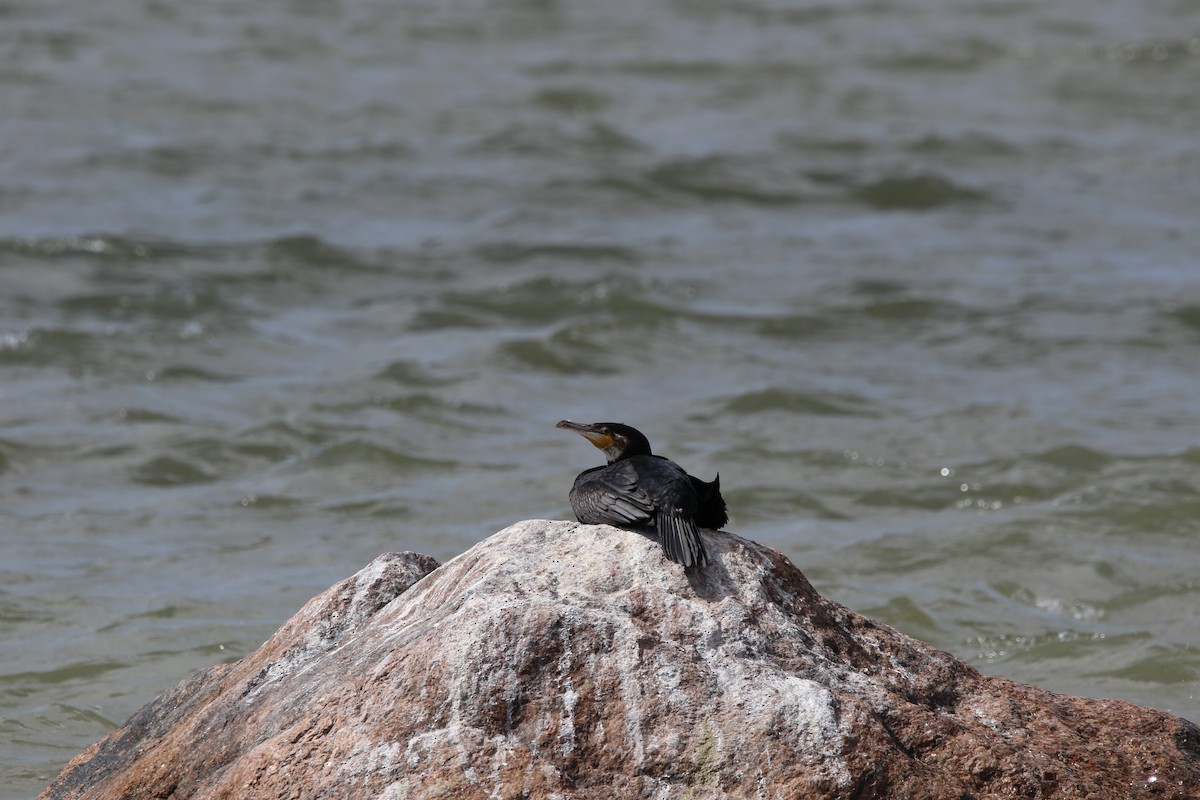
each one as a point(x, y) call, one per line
point(611, 496)
point(681, 540)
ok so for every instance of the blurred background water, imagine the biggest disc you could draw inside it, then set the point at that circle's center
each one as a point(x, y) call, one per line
point(287, 285)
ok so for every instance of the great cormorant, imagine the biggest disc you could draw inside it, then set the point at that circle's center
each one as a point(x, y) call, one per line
point(639, 488)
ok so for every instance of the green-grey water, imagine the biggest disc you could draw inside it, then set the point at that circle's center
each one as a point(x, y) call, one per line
point(284, 286)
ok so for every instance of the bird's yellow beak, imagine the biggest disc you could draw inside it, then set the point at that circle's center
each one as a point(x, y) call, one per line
point(599, 438)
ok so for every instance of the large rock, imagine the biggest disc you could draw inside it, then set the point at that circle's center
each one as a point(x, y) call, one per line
point(575, 661)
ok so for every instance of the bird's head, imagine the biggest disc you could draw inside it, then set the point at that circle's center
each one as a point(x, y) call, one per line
point(618, 441)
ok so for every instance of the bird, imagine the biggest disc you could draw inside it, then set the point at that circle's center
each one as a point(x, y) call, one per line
point(638, 488)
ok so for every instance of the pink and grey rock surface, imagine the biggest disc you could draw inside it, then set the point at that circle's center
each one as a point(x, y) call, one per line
point(558, 660)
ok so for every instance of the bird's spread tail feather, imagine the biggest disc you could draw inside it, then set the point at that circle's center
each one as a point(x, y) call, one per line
point(710, 512)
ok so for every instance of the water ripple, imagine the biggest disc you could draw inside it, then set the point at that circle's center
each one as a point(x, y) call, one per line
point(319, 286)
point(795, 402)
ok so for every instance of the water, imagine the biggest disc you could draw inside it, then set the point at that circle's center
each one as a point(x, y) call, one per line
point(286, 286)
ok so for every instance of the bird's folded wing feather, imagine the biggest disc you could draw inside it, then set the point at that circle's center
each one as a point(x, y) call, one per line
point(611, 496)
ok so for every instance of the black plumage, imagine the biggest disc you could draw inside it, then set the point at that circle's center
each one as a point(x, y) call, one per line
point(639, 488)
